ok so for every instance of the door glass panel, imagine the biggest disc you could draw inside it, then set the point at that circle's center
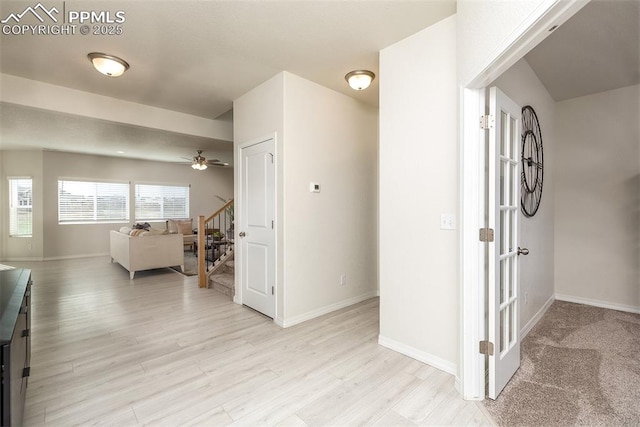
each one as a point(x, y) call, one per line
point(512, 328)
point(504, 135)
point(503, 325)
point(510, 277)
point(503, 229)
point(513, 124)
point(504, 181)
point(503, 279)
point(515, 180)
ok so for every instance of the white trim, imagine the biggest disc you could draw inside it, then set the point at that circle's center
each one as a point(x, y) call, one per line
point(471, 250)
point(599, 303)
point(414, 353)
point(531, 31)
point(237, 184)
point(524, 331)
point(285, 323)
point(22, 259)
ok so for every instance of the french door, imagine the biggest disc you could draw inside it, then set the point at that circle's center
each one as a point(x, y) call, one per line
point(503, 206)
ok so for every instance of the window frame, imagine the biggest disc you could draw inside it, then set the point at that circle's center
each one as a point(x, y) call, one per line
point(13, 216)
point(162, 215)
point(95, 220)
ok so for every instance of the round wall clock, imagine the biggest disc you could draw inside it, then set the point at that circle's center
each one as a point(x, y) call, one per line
point(531, 162)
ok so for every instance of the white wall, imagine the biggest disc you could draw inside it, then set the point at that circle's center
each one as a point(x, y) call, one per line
point(536, 269)
point(326, 137)
point(419, 304)
point(52, 240)
point(23, 164)
point(330, 139)
point(597, 241)
point(32, 93)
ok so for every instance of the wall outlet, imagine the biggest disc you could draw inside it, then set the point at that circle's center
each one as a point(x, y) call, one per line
point(343, 279)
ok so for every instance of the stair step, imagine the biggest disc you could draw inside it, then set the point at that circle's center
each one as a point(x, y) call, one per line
point(223, 282)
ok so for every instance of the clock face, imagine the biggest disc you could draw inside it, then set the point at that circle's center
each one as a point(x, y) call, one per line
point(532, 163)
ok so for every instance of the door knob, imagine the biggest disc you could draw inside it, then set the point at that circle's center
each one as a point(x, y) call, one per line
point(242, 234)
point(523, 251)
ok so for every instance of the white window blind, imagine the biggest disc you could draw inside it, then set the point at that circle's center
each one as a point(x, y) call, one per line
point(20, 207)
point(87, 202)
point(158, 202)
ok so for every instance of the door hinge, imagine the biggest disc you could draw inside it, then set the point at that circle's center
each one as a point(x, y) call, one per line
point(486, 234)
point(486, 347)
point(26, 372)
point(273, 290)
point(272, 225)
point(25, 332)
point(273, 156)
point(487, 121)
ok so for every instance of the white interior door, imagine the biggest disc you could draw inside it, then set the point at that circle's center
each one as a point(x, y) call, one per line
point(504, 201)
point(257, 227)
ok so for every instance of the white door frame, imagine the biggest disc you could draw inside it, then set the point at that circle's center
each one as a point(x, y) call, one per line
point(472, 191)
point(238, 195)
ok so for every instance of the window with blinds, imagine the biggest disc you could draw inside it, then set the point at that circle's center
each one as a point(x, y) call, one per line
point(20, 207)
point(160, 202)
point(89, 202)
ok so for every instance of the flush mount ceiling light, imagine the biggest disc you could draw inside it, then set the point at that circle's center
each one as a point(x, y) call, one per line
point(108, 65)
point(359, 79)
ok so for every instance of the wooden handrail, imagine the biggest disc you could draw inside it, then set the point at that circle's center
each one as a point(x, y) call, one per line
point(202, 240)
point(219, 211)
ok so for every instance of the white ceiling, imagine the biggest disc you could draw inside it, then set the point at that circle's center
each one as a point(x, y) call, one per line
point(596, 50)
point(196, 57)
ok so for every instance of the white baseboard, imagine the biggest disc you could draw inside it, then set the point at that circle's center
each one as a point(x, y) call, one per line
point(536, 318)
point(59, 258)
point(414, 353)
point(598, 303)
point(23, 259)
point(324, 310)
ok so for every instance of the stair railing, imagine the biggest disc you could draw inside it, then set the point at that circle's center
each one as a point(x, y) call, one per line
point(215, 241)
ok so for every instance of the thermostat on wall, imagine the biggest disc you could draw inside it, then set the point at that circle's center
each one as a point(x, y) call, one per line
point(314, 187)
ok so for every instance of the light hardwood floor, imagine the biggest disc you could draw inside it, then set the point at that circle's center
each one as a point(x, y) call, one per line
point(160, 351)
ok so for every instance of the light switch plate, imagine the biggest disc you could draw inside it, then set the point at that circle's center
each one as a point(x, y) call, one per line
point(447, 222)
point(314, 187)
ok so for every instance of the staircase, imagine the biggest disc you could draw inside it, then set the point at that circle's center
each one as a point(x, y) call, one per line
point(215, 248)
point(223, 280)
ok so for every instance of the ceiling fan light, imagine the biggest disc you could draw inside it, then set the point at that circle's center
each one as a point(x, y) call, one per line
point(108, 65)
point(359, 79)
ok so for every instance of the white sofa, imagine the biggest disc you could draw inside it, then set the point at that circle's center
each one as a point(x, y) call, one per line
point(136, 253)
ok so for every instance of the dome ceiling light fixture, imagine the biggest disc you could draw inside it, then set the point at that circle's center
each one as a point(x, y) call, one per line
point(359, 79)
point(199, 163)
point(109, 65)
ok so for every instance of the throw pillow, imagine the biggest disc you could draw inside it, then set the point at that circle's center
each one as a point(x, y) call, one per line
point(125, 230)
point(180, 226)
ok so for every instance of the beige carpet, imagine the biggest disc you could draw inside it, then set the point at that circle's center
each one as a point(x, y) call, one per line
point(580, 366)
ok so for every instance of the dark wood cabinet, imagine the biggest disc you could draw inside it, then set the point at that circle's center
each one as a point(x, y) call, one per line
point(15, 342)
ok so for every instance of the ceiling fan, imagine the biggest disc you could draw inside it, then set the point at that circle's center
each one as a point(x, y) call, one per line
point(198, 162)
